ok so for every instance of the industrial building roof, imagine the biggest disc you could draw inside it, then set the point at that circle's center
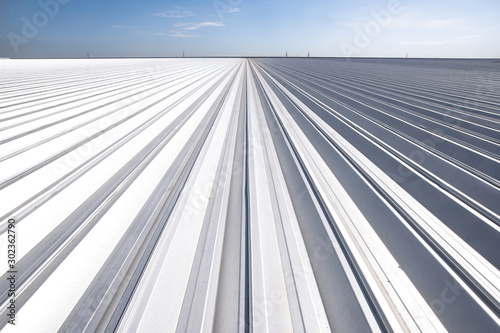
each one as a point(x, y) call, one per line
point(263, 195)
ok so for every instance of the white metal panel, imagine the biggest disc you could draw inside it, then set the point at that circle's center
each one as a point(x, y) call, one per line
point(161, 195)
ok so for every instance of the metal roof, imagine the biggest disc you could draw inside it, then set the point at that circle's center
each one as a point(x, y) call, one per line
point(265, 195)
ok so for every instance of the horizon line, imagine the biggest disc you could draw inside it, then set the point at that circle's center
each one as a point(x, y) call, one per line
point(251, 57)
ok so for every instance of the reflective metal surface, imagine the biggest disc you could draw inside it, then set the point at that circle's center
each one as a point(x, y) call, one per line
point(265, 195)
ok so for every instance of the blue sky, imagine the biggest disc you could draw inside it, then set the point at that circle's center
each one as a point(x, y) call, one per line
point(356, 28)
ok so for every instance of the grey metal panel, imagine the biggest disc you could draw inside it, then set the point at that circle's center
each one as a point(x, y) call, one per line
point(259, 195)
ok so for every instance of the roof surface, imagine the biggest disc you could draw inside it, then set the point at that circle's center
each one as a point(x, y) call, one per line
point(266, 195)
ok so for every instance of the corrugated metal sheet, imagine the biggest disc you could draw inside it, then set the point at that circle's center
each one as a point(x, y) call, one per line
point(268, 195)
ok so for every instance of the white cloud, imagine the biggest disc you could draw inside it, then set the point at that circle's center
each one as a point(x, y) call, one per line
point(433, 42)
point(437, 23)
point(352, 24)
point(467, 37)
point(195, 26)
point(174, 13)
point(234, 10)
point(456, 40)
point(182, 35)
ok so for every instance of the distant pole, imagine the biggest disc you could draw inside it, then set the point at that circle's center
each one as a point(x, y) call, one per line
point(88, 55)
point(286, 54)
point(183, 54)
point(407, 56)
point(308, 54)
